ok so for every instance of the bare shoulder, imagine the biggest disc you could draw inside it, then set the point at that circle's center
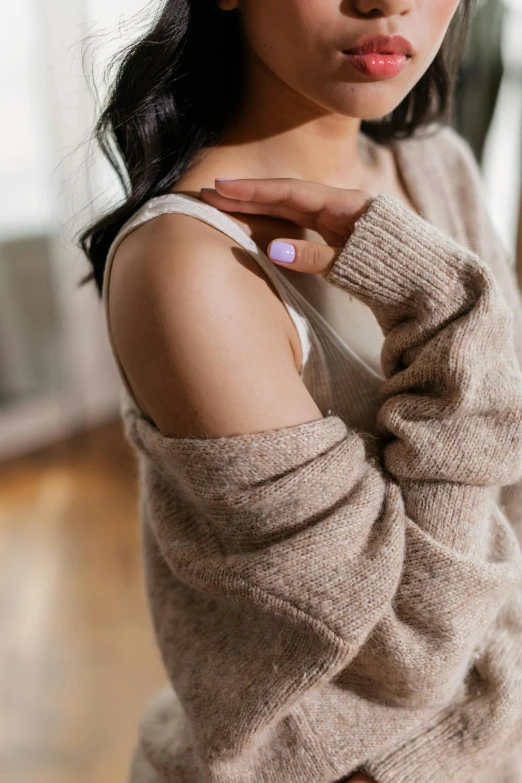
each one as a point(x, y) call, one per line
point(202, 336)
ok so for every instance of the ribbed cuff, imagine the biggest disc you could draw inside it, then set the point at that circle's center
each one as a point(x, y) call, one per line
point(435, 756)
point(394, 255)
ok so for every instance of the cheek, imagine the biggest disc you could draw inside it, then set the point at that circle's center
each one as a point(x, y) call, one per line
point(266, 24)
point(437, 16)
point(285, 33)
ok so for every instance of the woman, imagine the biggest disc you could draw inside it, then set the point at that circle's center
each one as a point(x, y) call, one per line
point(334, 586)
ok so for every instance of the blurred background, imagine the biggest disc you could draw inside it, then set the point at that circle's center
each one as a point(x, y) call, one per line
point(77, 660)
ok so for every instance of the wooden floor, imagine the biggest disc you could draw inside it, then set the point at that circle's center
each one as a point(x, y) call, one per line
point(77, 658)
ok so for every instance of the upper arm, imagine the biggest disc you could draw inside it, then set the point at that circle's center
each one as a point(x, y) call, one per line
point(201, 337)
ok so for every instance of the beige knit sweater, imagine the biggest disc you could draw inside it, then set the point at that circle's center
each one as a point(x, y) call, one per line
point(326, 599)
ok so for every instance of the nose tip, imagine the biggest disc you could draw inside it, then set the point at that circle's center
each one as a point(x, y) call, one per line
point(372, 9)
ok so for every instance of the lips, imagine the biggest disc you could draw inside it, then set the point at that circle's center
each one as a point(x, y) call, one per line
point(382, 44)
point(378, 66)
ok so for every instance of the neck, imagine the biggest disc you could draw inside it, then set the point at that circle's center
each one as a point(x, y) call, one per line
point(284, 134)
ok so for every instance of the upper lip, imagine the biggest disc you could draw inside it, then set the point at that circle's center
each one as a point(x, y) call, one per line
point(382, 44)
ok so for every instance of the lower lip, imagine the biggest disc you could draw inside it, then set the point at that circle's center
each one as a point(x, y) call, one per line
point(379, 66)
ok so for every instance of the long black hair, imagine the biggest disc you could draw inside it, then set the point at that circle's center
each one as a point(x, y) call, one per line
point(178, 87)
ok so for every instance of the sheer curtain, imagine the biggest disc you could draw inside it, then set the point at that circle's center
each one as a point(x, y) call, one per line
point(24, 213)
point(56, 372)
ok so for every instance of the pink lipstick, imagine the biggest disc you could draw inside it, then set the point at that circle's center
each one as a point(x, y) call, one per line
point(381, 56)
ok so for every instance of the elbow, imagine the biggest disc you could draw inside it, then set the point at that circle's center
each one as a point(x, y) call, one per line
point(420, 672)
point(429, 683)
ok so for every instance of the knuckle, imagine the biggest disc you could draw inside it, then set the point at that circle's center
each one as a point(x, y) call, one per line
point(286, 195)
point(313, 257)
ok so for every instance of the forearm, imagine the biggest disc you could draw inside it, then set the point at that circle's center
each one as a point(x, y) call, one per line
point(479, 392)
point(451, 423)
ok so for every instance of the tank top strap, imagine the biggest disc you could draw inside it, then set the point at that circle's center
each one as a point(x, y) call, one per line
point(182, 203)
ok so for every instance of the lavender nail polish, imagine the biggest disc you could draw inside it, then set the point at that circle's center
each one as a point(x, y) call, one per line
point(281, 251)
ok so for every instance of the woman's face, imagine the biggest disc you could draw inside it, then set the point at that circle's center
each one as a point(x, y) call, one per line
point(303, 42)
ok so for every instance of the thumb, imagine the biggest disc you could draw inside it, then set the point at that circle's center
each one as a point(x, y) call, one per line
point(303, 256)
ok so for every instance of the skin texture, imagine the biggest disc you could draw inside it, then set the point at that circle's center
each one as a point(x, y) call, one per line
point(206, 343)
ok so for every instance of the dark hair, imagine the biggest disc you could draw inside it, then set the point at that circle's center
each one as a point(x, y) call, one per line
point(178, 87)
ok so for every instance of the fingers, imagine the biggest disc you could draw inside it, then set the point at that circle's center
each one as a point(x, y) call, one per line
point(296, 194)
point(303, 256)
point(229, 204)
point(329, 210)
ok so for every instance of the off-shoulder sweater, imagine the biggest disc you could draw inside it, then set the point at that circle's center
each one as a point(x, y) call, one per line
point(327, 599)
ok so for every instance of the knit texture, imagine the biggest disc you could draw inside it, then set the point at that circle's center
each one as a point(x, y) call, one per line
point(327, 598)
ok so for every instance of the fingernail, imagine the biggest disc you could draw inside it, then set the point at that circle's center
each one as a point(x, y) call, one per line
point(281, 251)
point(222, 179)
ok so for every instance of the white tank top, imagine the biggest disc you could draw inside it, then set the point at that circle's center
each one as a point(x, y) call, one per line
point(340, 338)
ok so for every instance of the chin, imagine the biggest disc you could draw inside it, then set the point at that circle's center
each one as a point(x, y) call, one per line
point(370, 103)
point(361, 100)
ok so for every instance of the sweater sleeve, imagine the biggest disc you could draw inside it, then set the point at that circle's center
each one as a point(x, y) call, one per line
point(486, 241)
point(412, 364)
point(413, 757)
point(452, 379)
point(353, 591)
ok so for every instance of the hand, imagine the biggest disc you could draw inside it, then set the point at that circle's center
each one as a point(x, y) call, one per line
point(332, 212)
